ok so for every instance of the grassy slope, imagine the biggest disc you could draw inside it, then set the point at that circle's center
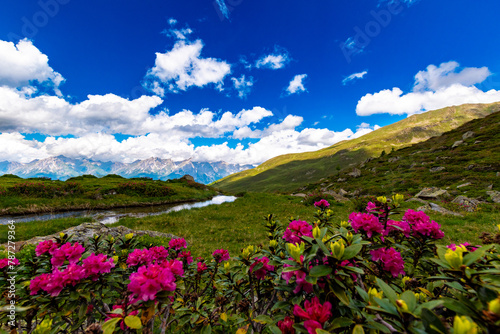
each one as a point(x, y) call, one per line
point(98, 194)
point(288, 172)
point(408, 170)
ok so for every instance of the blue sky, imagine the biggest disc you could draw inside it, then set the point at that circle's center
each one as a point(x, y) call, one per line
point(234, 80)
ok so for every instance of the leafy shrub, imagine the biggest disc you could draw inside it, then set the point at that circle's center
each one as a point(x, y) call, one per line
point(46, 190)
point(147, 189)
point(371, 274)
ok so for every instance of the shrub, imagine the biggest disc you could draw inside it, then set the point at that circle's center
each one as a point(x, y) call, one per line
point(147, 189)
point(370, 274)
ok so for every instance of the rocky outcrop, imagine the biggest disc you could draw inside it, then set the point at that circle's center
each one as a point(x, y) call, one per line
point(468, 204)
point(437, 208)
point(494, 195)
point(432, 193)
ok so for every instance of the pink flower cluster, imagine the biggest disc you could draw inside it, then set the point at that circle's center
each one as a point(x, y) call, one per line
point(467, 245)
point(286, 326)
point(146, 256)
point(261, 273)
point(177, 244)
point(300, 278)
point(220, 255)
point(391, 260)
point(422, 224)
point(47, 246)
point(201, 267)
point(297, 229)
point(69, 252)
point(315, 314)
point(185, 256)
point(5, 262)
point(153, 278)
point(322, 204)
point(400, 227)
point(365, 222)
point(54, 282)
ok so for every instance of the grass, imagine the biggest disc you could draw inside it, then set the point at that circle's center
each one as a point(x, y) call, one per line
point(26, 231)
point(20, 196)
point(291, 171)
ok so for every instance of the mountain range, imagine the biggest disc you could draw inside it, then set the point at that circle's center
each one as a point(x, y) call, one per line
point(289, 172)
point(63, 168)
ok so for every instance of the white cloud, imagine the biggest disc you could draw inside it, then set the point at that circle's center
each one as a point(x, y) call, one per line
point(242, 85)
point(354, 76)
point(276, 60)
point(183, 67)
point(22, 63)
point(223, 8)
point(436, 87)
point(296, 85)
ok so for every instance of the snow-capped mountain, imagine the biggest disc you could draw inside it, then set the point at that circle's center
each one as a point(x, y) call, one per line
point(63, 168)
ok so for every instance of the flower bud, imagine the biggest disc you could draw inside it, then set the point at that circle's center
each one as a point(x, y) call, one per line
point(316, 232)
point(382, 199)
point(398, 198)
point(273, 243)
point(337, 249)
point(111, 239)
point(463, 325)
point(226, 266)
point(402, 305)
point(406, 279)
point(115, 259)
point(349, 237)
point(344, 224)
point(61, 235)
point(372, 292)
point(454, 258)
point(494, 306)
point(296, 251)
point(129, 236)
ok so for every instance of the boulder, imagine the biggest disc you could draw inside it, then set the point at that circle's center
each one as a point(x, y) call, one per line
point(355, 173)
point(434, 207)
point(457, 143)
point(342, 192)
point(432, 193)
point(337, 197)
point(187, 177)
point(341, 179)
point(468, 134)
point(394, 159)
point(299, 195)
point(468, 204)
point(415, 199)
point(464, 185)
point(494, 195)
point(436, 169)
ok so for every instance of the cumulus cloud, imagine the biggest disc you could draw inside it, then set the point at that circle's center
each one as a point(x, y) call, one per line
point(183, 67)
point(276, 60)
point(354, 76)
point(296, 85)
point(242, 85)
point(22, 63)
point(434, 88)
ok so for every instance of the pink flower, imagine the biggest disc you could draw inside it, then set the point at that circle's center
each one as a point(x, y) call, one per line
point(221, 255)
point(139, 257)
point(300, 278)
point(177, 243)
point(47, 246)
point(371, 207)
point(201, 267)
point(297, 229)
point(38, 283)
point(414, 217)
point(186, 256)
point(55, 283)
point(286, 326)
point(158, 254)
point(97, 264)
point(393, 225)
point(67, 251)
point(149, 280)
point(467, 245)
point(6, 262)
point(174, 266)
point(73, 274)
point(391, 259)
point(430, 229)
point(315, 314)
point(261, 273)
point(366, 222)
point(322, 204)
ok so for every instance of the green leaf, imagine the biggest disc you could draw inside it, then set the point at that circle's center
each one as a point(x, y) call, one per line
point(82, 311)
point(475, 255)
point(340, 322)
point(133, 322)
point(206, 329)
point(432, 323)
point(312, 280)
point(280, 305)
point(320, 271)
point(388, 291)
point(428, 305)
point(257, 267)
point(387, 306)
point(340, 293)
point(274, 329)
point(410, 300)
point(321, 331)
point(263, 319)
point(457, 307)
point(288, 269)
point(351, 251)
point(110, 325)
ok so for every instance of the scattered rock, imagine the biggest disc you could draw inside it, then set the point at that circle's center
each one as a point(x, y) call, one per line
point(415, 199)
point(432, 193)
point(468, 134)
point(299, 195)
point(436, 169)
point(498, 174)
point(494, 195)
point(478, 141)
point(469, 204)
point(83, 232)
point(187, 177)
point(490, 187)
point(457, 143)
point(470, 167)
point(355, 173)
point(437, 208)
point(342, 192)
point(394, 159)
point(336, 196)
point(341, 179)
point(374, 170)
point(464, 185)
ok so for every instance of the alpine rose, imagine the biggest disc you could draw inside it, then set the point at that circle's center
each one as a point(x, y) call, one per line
point(297, 229)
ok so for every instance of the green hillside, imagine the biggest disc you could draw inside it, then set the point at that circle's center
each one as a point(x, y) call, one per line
point(291, 171)
point(471, 168)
